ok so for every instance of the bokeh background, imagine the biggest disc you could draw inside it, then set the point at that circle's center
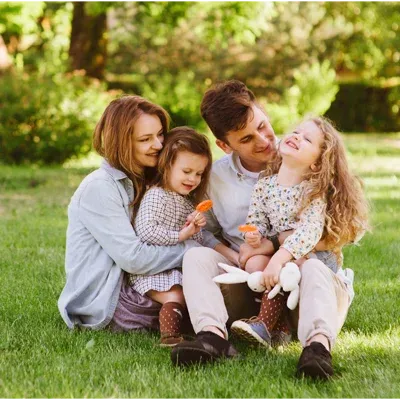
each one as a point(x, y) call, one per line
point(62, 62)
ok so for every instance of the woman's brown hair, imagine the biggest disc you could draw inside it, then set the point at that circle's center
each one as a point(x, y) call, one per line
point(113, 138)
point(187, 139)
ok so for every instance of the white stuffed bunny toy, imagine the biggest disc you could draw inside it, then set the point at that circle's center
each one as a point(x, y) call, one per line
point(236, 275)
point(289, 279)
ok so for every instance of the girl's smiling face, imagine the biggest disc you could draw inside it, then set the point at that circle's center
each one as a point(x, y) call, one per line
point(303, 145)
point(148, 138)
point(186, 172)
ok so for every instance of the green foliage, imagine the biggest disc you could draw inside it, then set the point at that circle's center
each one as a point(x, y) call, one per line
point(171, 52)
point(99, 7)
point(180, 95)
point(220, 21)
point(48, 119)
point(360, 106)
point(19, 18)
point(37, 34)
point(313, 91)
point(366, 37)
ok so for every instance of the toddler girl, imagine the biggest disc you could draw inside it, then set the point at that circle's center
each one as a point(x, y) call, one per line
point(183, 172)
point(315, 195)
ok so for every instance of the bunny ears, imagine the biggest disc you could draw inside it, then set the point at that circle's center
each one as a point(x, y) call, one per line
point(237, 275)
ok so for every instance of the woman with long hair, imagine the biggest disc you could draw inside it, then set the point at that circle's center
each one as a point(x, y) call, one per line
point(102, 245)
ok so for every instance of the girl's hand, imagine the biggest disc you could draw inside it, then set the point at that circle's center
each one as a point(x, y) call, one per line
point(271, 274)
point(191, 217)
point(188, 231)
point(200, 220)
point(253, 238)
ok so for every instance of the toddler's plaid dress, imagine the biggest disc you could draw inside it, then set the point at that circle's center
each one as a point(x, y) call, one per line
point(161, 215)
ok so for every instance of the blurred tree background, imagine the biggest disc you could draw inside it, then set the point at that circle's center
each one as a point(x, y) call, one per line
point(62, 62)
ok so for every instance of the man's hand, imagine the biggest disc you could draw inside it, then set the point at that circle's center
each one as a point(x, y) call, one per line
point(271, 274)
point(253, 238)
point(228, 253)
point(245, 252)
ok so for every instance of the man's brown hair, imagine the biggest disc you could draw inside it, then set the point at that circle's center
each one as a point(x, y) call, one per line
point(113, 138)
point(183, 138)
point(227, 107)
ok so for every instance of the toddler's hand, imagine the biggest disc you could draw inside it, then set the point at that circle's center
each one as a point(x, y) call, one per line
point(253, 238)
point(271, 274)
point(200, 220)
point(188, 231)
point(191, 217)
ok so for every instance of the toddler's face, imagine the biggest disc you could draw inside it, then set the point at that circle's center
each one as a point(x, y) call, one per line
point(186, 172)
point(303, 144)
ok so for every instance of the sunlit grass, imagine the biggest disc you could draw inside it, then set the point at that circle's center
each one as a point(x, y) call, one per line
point(40, 357)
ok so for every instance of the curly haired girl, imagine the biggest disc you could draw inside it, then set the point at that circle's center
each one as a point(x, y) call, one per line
point(315, 195)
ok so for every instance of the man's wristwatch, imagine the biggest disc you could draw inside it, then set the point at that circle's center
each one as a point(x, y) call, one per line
point(274, 238)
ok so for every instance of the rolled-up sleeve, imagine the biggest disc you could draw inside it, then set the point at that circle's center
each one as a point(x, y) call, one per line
point(209, 240)
point(102, 212)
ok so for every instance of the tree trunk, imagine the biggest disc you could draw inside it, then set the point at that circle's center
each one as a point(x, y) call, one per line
point(88, 47)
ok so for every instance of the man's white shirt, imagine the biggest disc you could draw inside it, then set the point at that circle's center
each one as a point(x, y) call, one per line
point(230, 190)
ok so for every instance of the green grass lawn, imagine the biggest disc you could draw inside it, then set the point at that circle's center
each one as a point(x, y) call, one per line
point(40, 357)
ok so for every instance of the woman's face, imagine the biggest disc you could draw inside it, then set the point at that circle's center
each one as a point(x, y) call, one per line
point(148, 138)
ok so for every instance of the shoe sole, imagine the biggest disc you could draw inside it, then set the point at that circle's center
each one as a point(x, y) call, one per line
point(167, 344)
point(186, 356)
point(243, 331)
point(314, 370)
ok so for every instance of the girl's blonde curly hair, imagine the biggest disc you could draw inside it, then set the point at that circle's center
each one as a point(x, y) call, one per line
point(347, 208)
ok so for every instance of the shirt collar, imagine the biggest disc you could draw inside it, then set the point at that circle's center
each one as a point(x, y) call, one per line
point(234, 161)
point(114, 172)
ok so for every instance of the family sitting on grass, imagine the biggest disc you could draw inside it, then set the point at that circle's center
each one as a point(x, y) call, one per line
point(142, 254)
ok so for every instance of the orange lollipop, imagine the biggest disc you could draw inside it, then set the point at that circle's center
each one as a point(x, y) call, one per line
point(204, 206)
point(247, 228)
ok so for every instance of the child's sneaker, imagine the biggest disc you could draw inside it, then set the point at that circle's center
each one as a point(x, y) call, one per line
point(170, 339)
point(252, 330)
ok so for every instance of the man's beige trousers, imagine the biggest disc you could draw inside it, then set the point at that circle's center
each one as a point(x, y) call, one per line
point(323, 304)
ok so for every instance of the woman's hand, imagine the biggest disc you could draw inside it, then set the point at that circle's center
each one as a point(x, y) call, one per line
point(253, 238)
point(271, 274)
